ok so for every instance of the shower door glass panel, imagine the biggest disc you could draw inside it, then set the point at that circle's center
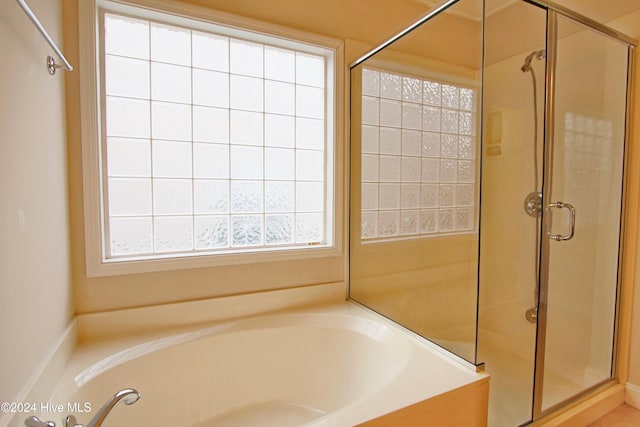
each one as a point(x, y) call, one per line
point(415, 108)
point(511, 169)
point(587, 173)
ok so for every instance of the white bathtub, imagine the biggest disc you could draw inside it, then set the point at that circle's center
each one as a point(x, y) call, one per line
point(335, 365)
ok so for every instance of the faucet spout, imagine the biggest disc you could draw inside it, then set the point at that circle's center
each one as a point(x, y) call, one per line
point(128, 395)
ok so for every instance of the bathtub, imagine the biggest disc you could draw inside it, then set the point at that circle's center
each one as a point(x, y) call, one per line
point(332, 365)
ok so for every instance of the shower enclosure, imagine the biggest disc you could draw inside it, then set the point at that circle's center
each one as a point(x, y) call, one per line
point(487, 193)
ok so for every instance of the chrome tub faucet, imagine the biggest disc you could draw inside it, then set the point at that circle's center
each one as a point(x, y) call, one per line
point(129, 396)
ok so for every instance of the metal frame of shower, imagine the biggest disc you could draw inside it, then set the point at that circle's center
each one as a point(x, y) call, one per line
point(553, 11)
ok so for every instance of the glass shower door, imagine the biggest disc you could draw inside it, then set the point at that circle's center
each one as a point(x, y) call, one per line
point(583, 194)
point(512, 154)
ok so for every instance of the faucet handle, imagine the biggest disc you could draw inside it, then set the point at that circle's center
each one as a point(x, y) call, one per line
point(34, 421)
point(71, 421)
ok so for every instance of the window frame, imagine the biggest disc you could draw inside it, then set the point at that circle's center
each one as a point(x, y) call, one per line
point(91, 100)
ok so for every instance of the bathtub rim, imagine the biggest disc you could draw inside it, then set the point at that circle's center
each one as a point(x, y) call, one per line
point(86, 353)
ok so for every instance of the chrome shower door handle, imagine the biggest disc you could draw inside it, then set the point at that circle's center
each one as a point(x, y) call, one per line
point(572, 222)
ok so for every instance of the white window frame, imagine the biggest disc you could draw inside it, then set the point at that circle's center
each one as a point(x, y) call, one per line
point(97, 262)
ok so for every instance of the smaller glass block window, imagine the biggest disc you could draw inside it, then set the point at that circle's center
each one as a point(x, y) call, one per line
point(418, 156)
point(588, 156)
point(212, 142)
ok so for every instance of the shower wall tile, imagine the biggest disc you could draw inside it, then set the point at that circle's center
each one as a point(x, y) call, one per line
point(370, 82)
point(448, 170)
point(409, 222)
point(431, 119)
point(450, 96)
point(370, 196)
point(431, 93)
point(411, 143)
point(390, 140)
point(390, 196)
point(466, 172)
point(450, 121)
point(412, 89)
point(390, 86)
point(390, 113)
point(410, 196)
point(411, 116)
point(411, 169)
point(466, 147)
point(464, 195)
point(429, 221)
point(429, 196)
point(390, 169)
point(467, 99)
point(447, 195)
point(431, 170)
point(449, 146)
point(369, 225)
point(430, 144)
point(463, 219)
point(388, 223)
point(445, 219)
point(467, 124)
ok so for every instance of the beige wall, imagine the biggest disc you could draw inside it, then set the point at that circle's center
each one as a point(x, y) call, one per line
point(35, 291)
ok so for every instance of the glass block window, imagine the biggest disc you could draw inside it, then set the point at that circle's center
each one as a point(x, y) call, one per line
point(589, 155)
point(212, 142)
point(418, 156)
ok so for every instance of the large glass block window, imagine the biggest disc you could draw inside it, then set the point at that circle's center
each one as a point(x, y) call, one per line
point(418, 156)
point(212, 142)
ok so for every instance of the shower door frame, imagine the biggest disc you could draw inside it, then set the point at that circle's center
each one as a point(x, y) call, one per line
point(553, 11)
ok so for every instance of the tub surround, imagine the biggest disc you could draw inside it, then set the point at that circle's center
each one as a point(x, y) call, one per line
point(402, 379)
point(414, 380)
